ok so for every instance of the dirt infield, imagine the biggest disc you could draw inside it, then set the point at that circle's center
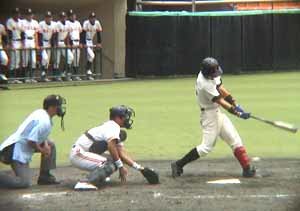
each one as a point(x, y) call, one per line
point(277, 187)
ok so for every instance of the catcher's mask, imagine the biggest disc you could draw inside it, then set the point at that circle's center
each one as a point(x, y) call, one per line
point(211, 68)
point(59, 102)
point(122, 111)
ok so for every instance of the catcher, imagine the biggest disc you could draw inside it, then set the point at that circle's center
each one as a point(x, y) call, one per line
point(88, 151)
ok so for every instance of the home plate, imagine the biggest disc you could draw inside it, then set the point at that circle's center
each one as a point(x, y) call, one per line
point(225, 181)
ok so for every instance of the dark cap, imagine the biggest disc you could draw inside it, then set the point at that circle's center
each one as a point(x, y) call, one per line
point(28, 11)
point(92, 15)
point(62, 14)
point(48, 14)
point(16, 11)
point(53, 100)
point(70, 12)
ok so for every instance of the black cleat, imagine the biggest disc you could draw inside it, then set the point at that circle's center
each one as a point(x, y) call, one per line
point(250, 171)
point(176, 170)
point(47, 180)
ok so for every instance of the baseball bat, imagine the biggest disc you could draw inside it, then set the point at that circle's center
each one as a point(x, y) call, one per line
point(279, 124)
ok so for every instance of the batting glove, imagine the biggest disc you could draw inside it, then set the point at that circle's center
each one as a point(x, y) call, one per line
point(239, 108)
point(244, 115)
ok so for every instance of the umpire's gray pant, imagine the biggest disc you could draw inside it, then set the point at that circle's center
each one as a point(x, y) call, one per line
point(22, 177)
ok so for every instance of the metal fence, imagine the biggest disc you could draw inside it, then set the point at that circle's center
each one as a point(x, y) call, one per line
point(31, 65)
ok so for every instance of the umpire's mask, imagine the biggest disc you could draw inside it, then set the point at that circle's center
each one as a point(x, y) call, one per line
point(60, 102)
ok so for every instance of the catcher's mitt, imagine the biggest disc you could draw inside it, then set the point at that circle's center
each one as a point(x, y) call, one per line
point(151, 176)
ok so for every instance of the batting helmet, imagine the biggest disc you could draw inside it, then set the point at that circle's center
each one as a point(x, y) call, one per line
point(211, 68)
point(122, 111)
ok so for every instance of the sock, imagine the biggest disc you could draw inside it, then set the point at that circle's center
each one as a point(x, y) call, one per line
point(88, 65)
point(12, 73)
point(44, 172)
point(189, 157)
point(241, 155)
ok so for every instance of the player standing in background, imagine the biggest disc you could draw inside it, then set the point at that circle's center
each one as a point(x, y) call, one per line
point(32, 136)
point(47, 29)
point(91, 27)
point(30, 29)
point(62, 43)
point(15, 44)
point(3, 55)
point(211, 94)
point(75, 30)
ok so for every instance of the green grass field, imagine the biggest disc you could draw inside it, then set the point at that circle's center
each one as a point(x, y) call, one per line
point(167, 115)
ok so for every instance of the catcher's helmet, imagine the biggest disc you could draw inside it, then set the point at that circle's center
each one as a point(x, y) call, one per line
point(211, 68)
point(122, 111)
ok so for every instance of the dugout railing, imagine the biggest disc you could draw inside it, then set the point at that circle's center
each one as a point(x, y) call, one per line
point(28, 72)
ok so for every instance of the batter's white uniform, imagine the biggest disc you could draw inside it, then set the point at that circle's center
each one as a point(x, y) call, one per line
point(62, 33)
point(3, 55)
point(75, 30)
point(47, 30)
point(15, 27)
point(91, 30)
point(80, 156)
point(213, 121)
point(30, 29)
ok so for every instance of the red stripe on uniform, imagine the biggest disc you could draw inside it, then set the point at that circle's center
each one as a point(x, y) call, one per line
point(88, 158)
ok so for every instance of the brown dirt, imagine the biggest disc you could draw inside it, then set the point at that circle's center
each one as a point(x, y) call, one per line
point(276, 188)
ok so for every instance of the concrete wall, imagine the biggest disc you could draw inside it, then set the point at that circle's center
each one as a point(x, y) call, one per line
point(110, 12)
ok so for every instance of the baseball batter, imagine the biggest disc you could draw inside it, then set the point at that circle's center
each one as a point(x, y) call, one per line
point(30, 137)
point(30, 29)
point(47, 29)
point(75, 30)
point(15, 44)
point(62, 44)
point(211, 94)
point(91, 27)
point(87, 152)
point(3, 55)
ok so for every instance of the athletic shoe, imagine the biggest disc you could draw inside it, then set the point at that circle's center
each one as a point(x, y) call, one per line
point(176, 170)
point(250, 171)
point(76, 78)
point(90, 78)
point(84, 186)
point(47, 180)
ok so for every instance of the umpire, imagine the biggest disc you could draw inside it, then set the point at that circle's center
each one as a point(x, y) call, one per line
point(30, 137)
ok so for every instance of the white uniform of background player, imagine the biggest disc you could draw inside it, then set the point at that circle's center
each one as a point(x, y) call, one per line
point(30, 28)
point(3, 55)
point(210, 95)
point(47, 29)
point(14, 30)
point(90, 28)
point(62, 29)
point(75, 30)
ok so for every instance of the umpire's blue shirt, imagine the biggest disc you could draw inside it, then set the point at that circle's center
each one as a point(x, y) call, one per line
point(36, 128)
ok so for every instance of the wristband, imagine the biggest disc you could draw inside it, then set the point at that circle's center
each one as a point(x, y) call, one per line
point(119, 163)
point(136, 166)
